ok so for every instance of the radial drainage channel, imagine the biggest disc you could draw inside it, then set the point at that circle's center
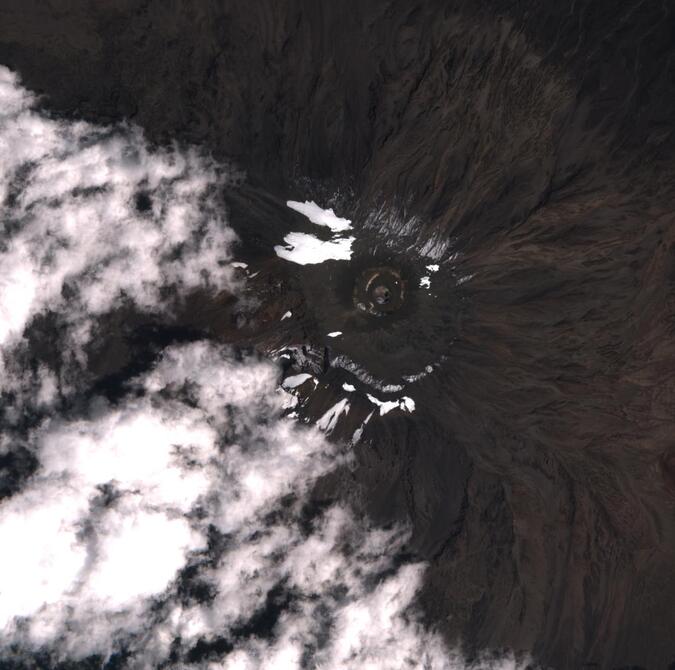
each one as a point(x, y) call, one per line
point(379, 291)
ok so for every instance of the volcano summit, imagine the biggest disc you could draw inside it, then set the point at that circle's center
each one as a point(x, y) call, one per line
point(337, 335)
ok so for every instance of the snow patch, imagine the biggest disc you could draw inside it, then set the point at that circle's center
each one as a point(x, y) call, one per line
point(322, 217)
point(405, 404)
point(329, 420)
point(296, 380)
point(356, 437)
point(305, 249)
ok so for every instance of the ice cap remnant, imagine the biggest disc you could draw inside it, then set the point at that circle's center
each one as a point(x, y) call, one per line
point(306, 249)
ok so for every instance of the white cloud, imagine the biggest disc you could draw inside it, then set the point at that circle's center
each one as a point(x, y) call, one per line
point(41, 557)
point(109, 519)
point(79, 559)
point(74, 239)
point(137, 447)
point(140, 553)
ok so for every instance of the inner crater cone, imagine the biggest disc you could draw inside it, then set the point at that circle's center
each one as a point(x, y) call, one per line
point(379, 291)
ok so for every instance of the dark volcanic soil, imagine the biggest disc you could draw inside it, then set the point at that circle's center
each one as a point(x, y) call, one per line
point(533, 139)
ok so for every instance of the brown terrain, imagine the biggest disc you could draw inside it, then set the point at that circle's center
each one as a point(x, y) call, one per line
point(534, 139)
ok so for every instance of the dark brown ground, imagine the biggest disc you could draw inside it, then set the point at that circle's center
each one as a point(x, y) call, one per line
point(539, 470)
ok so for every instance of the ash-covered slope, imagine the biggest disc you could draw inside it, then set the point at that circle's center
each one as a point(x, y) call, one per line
point(526, 148)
